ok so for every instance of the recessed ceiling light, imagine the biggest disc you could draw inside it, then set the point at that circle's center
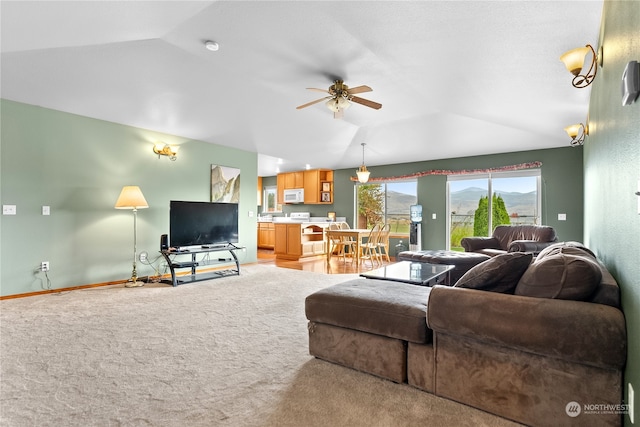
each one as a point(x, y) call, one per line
point(213, 46)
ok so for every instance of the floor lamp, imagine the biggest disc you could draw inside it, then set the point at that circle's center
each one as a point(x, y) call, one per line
point(131, 198)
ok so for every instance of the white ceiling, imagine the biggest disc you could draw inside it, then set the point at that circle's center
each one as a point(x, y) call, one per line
point(456, 78)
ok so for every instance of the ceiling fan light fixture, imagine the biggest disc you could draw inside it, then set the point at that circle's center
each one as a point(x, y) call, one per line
point(343, 103)
point(333, 105)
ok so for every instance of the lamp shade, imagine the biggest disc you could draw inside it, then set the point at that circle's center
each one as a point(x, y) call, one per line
point(573, 130)
point(333, 105)
point(131, 198)
point(363, 174)
point(343, 103)
point(574, 59)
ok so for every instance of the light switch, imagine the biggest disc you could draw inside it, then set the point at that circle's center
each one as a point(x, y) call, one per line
point(46, 210)
point(562, 217)
point(250, 214)
point(433, 216)
point(8, 209)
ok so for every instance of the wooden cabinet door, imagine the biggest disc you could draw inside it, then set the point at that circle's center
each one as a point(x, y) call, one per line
point(289, 181)
point(280, 183)
point(270, 237)
point(311, 186)
point(294, 240)
point(280, 239)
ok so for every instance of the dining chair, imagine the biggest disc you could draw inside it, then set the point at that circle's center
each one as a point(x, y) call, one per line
point(340, 243)
point(383, 242)
point(369, 249)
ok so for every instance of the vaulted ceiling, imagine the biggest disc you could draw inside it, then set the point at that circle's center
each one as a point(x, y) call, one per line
point(455, 78)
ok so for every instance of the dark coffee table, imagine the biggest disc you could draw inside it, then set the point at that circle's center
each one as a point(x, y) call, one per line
point(415, 273)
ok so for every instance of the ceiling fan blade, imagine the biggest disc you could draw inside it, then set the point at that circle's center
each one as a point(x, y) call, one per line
point(318, 90)
point(366, 102)
point(359, 89)
point(312, 102)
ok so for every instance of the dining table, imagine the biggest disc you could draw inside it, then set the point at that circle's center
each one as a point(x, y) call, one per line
point(356, 234)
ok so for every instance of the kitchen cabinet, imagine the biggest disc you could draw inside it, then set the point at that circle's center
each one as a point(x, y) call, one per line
point(266, 235)
point(289, 181)
point(288, 241)
point(293, 180)
point(317, 185)
point(294, 240)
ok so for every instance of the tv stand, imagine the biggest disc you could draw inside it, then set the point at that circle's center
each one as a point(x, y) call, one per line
point(177, 260)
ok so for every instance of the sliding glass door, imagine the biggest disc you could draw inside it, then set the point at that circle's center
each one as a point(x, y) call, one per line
point(515, 199)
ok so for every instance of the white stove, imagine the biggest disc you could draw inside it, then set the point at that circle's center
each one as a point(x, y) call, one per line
point(300, 216)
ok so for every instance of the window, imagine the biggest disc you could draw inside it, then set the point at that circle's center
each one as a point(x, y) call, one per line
point(270, 198)
point(387, 203)
point(515, 199)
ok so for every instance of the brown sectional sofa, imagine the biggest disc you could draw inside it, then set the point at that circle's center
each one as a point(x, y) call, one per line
point(524, 353)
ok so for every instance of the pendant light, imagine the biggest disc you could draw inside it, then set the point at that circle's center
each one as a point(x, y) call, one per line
point(363, 173)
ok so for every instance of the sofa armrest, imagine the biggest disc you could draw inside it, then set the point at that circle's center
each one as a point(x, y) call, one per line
point(528, 246)
point(473, 244)
point(576, 331)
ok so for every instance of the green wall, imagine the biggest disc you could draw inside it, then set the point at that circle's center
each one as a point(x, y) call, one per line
point(562, 189)
point(612, 172)
point(77, 166)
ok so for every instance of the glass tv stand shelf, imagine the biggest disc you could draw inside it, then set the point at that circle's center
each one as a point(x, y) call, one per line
point(194, 258)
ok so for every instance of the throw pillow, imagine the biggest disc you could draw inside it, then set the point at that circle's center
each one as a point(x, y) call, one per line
point(561, 276)
point(500, 273)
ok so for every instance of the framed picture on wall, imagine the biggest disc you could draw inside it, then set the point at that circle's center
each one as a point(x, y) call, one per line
point(326, 186)
point(225, 184)
point(325, 197)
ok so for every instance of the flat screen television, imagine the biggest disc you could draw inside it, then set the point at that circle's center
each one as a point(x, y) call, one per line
point(205, 224)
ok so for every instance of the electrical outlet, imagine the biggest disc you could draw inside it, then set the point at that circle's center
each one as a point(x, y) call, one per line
point(44, 266)
point(143, 256)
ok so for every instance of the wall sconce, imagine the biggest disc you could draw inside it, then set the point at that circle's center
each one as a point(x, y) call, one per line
point(170, 151)
point(362, 172)
point(574, 61)
point(577, 133)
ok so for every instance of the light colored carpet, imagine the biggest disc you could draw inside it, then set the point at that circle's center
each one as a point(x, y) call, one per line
point(226, 352)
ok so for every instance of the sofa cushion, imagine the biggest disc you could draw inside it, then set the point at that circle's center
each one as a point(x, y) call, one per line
point(382, 307)
point(572, 248)
point(498, 274)
point(561, 275)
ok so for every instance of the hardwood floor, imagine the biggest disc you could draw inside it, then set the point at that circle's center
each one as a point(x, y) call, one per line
point(319, 264)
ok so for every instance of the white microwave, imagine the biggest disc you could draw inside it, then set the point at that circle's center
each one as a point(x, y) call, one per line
point(294, 196)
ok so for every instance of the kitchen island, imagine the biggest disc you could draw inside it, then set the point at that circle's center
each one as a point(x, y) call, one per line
point(295, 240)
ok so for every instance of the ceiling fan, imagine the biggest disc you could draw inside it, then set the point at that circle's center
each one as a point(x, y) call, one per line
point(340, 96)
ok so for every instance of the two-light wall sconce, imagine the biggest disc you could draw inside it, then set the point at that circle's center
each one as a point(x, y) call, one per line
point(574, 61)
point(162, 149)
point(577, 133)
